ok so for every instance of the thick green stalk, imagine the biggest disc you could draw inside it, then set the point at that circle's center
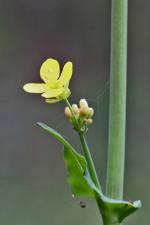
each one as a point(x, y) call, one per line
point(117, 111)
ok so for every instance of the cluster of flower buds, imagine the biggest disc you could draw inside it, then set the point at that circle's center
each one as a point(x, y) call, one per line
point(80, 116)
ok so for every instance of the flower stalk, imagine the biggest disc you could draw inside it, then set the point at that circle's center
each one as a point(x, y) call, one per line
point(89, 160)
point(117, 111)
point(86, 150)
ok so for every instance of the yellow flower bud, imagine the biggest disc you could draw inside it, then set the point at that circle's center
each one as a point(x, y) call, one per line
point(67, 112)
point(83, 103)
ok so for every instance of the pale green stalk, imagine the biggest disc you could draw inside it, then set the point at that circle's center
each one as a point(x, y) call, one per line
point(89, 160)
point(91, 167)
point(117, 111)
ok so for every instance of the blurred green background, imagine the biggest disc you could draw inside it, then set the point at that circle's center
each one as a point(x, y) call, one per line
point(33, 188)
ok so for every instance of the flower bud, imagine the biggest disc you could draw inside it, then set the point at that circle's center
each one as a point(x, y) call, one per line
point(84, 111)
point(89, 121)
point(75, 108)
point(83, 103)
point(67, 112)
point(90, 112)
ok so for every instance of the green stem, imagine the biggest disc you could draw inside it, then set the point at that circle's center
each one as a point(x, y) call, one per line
point(109, 223)
point(117, 113)
point(91, 168)
point(89, 160)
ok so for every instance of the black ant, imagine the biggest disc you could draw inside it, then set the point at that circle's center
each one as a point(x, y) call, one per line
point(82, 204)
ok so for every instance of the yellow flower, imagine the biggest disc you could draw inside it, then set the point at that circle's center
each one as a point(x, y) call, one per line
point(55, 86)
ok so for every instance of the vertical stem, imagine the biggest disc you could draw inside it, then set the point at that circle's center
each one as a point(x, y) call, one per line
point(91, 167)
point(89, 160)
point(117, 111)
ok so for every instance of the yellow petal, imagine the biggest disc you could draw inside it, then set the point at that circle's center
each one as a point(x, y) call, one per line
point(53, 93)
point(50, 71)
point(52, 100)
point(35, 87)
point(66, 74)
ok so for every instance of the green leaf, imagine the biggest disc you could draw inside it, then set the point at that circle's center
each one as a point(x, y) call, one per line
point(75, 164)
point(112, 210)
point(55, 134)
point(79, 179)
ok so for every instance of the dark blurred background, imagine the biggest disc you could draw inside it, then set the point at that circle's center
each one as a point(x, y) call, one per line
point(33, 187)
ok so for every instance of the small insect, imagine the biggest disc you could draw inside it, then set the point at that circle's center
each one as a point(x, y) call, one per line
point(83, 204)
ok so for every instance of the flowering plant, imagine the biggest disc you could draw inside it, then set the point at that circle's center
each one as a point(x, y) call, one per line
point(82, 175)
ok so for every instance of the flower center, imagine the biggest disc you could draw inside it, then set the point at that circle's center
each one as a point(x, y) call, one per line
point(53, 85)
